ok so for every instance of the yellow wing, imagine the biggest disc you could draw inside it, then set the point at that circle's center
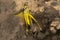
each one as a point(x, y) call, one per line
point(26, 16)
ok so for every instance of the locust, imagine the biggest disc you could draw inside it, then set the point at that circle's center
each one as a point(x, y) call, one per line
point(28, 17)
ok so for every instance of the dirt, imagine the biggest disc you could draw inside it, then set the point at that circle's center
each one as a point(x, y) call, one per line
point(11, 28)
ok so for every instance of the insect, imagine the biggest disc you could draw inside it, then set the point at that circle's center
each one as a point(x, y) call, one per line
point(26, 14)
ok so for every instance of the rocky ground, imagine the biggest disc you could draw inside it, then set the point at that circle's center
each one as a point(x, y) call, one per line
point(47, 13)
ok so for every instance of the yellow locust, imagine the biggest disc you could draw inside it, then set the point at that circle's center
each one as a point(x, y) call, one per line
point(26, 14)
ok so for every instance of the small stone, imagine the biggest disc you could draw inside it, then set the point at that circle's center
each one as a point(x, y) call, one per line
point(52, 29)
point(54, 23)
point(58, 27)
